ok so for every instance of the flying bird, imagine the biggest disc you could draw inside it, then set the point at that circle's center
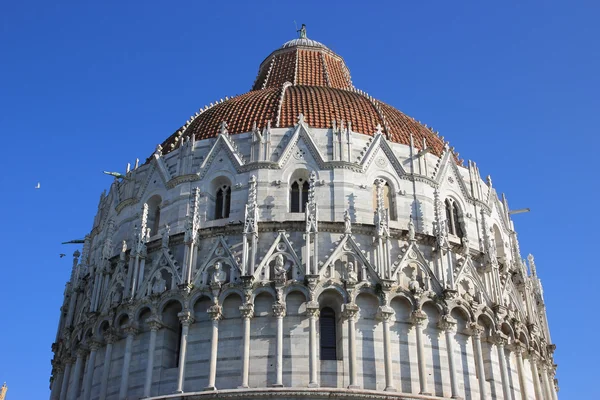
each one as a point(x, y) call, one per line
point(37, 186)
point(62, 255)
point(115, 174)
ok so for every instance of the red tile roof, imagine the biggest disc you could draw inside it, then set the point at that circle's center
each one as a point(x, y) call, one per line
point(321, 89)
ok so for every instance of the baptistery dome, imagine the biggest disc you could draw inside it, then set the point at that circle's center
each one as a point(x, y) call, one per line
point(302, 240)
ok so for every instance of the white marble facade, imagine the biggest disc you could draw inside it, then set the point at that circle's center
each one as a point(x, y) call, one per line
point(370, 292)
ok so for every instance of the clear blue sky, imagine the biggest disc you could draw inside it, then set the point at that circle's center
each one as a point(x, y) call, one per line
point(90, 87)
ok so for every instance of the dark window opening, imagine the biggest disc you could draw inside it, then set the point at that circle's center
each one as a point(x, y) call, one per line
point(328, 334)
point(299, 195)
point(223, 202)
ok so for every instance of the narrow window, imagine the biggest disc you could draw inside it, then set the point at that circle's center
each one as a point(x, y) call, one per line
point(156, 223)
point(328, 335)
point(177, 346)
point(223, 202)
point(295, 198)
point(388, 200)
point(453, 218)
point(298, 195)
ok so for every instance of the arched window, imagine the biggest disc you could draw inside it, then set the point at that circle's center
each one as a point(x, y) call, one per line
point(298, 195)
point(223, 201)
point(328, 334)
point(388, 201)
point(453, 218)
point(154, 214)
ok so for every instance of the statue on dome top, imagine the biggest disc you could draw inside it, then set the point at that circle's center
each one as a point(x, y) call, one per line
point(302, 31)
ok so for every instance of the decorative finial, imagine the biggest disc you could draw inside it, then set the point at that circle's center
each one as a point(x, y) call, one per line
point(302, 32)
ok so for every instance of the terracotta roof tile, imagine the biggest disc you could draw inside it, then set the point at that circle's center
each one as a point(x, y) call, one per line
point(322, 90)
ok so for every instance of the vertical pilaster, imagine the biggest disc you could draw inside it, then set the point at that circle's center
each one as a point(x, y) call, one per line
point(545, 380)
point(186, 319)
point(154, 325)
point(89, 376)
point(74, 390)
point(385, 314)
point(247, 311)
point(418, 320)
point(64, 389)
point(500, 341)
point(518, 349)
point(349, 312)
point(535, 376)
point(279, 312)
point(109, 338)
point(130, 331)
point(476, 331)
point(215, 315)
point(312, 309)
point(448, 325)
point(57, 383)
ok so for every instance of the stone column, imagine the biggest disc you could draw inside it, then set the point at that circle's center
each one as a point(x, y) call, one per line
point(279, 312)
point(312, 309)
point(154, 325)
point(501, 340)
point(533, 360)
point(418, 320)
point(56, 383)
point(247, 311)
point(475, 331)
point(109, 337)
point(74, 390)
point(215, 315)
point(349, 312)
point(385, 314)
point(517, 348)
point(545, 380)
point(89, 376)
point(131, 331)
point(186, 319)
point(448, 325)
point(66, 376)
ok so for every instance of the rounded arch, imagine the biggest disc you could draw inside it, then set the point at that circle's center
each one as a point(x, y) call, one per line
point(296, 287)
point(363, 289)
point(154, 206)
point(461, 306)
point(320, 290)
point(198, 296)
point(405, 294)
point(167, 301)
point(298, 188)
point(102, 326)
point(219, 196)
point(262, 290)
point(141, 308)
point(454, 216)
point(333, 297)
point(231, 291)
point(122, 320)
point(389, 196)
point(508, 330)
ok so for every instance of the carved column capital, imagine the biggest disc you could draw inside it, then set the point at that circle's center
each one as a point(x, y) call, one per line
point(418, 318)
point(110, 336)
point(385, 313)
point(94, 345)
point(279, 310)
point(312, 309)
point(499, 339)
point(131, 330)
point(186, 318)
point(474, 329)
point(350, 310)
point(447, 323)
point(82, 351)
point(214, 312)
point(154, 323)
point(247, 311)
